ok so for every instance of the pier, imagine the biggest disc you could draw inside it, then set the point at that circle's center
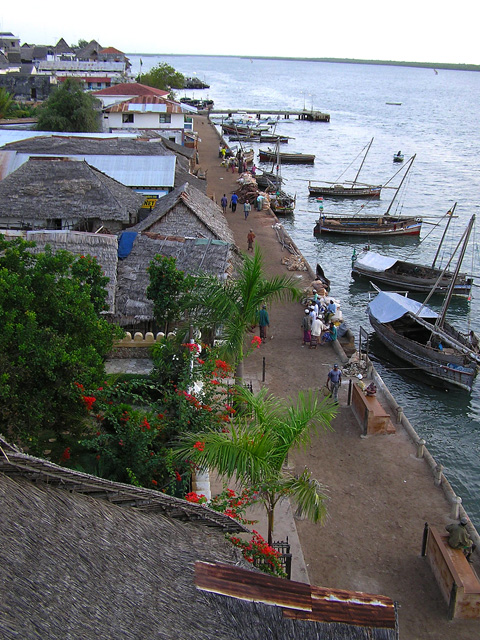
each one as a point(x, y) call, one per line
point(301, 114)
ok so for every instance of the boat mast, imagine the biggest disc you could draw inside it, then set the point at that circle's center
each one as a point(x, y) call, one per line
point(450, 216)
point(361, 165)
point(401, 182)
point(466, 235)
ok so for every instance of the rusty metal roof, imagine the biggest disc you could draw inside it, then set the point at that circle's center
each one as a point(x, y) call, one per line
point(299, 601)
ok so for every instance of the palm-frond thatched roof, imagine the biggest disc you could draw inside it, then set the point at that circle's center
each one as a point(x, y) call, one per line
point(167, 215)
point(86, 558)
point(42, 189)
point(193, 256)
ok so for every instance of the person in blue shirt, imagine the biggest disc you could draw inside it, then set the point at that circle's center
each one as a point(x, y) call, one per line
point(233, 202)
point(263, 322)
point(224, 203)
point(331, 310)
point(334, 380)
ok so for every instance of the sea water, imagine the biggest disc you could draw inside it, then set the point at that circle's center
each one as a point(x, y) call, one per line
point(438, 121)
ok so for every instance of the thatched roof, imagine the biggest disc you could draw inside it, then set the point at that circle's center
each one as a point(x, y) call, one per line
point(47, 188)
point(101, 246)
point(193, 256)
point(86, 558)
point(82, 146)
point(205, 211)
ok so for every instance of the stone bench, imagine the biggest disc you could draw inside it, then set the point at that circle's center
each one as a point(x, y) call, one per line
point(369, 412)
point(455, 576)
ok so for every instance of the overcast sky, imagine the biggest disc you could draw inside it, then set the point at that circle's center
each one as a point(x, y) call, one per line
point(410, 30)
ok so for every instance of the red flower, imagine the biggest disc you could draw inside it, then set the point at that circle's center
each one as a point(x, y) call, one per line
point(200, 361)
point(178, 476)
point(199, 445)
point(195, 497)
point(154, 482)
point(65, 455)
point(256, 341)
point(89, 402)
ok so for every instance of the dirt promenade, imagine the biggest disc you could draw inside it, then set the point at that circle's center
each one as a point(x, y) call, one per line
point(380, 493)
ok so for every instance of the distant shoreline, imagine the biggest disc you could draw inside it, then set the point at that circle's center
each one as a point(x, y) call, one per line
point(391, 63)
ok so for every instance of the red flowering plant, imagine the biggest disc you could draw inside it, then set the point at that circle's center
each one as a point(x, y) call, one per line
point(260, 553)
point(234, 504)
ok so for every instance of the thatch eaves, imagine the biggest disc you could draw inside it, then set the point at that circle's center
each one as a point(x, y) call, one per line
point(87, 558)
point(44, 189)
point(193, 256)
point(212, 222)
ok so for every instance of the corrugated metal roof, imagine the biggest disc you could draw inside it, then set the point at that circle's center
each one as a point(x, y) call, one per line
point(147, 108)
point(132, 171)
point(298, 600)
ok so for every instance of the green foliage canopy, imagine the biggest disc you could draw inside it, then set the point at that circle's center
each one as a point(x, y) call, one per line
point(52, 336)
point(6, 102)
point(69, 109)
point(163, 76)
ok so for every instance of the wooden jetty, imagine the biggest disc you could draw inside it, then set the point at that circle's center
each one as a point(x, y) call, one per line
point(301, 114)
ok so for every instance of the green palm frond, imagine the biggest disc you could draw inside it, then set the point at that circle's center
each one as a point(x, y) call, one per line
point(309, 495)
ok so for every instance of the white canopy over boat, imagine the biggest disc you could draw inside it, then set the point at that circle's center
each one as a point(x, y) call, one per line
point(389, 306)
point(374, 261)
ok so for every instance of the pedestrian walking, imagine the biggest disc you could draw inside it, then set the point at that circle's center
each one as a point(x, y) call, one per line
point(334, 380)
point(307, 327)
point(250, 238)
point(247, 208)
point(263, 322)
point(224, 203)
point(233, 202)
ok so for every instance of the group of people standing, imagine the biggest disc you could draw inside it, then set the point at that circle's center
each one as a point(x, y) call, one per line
point(317, 324)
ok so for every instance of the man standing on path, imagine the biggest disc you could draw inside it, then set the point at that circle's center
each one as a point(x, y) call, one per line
point(263, 322)
point(250, 238)
point(233, 202)
point(334, 379)
point(246, 209)
point(224, 203)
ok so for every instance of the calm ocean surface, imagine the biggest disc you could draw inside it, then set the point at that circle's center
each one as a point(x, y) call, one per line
point(437, 121)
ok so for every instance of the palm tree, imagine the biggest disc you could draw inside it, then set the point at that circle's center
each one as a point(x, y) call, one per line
point(255, 451)
point(6, 101)
point(234, 304)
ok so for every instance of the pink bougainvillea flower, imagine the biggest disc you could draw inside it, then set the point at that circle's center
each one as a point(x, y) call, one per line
point(199, 445)
point(256, 341)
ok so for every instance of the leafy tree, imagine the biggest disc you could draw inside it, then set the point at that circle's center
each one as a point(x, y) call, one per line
point(69, 108)
point(234, 304)
point(52, 336)
point(81, 44)
point(167, 288)
point(255, 450)
point(6, 102)
point(163, 76)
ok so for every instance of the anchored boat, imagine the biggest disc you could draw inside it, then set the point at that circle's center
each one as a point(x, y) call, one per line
point(422, 337)
point(368, 226)
point(346, 189)
point(270, 155)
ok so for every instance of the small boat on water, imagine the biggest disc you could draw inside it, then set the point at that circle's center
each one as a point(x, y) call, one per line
point(270, 155)
point(398, 157)
point(361, 225)
point(410, 276)
point(282, 204)
point(422, 337)
point(346, 190)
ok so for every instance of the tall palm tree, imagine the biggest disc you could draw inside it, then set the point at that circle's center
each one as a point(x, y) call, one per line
point(255, 451)
point(234, 304)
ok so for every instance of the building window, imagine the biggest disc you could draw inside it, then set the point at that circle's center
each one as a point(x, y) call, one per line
point(127, 118)
point(164, 118)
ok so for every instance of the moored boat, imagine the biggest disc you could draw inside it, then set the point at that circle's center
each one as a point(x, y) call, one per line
point(270, 155)
point(419, 335)
point(384, 225)
point(408, 276)
point(398, 157)
point(353, 189)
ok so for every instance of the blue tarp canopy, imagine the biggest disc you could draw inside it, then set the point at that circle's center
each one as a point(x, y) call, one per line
point(374, 261)
point(125, 243)
point(389, 306)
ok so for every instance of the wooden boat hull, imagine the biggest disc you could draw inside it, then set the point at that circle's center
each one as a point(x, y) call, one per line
point(452, 368)
point(339, 191)
point(286, 158)
point(368, 227)
point(418, 284)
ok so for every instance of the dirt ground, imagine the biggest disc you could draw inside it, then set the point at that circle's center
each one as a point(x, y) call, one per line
point(380, 494)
